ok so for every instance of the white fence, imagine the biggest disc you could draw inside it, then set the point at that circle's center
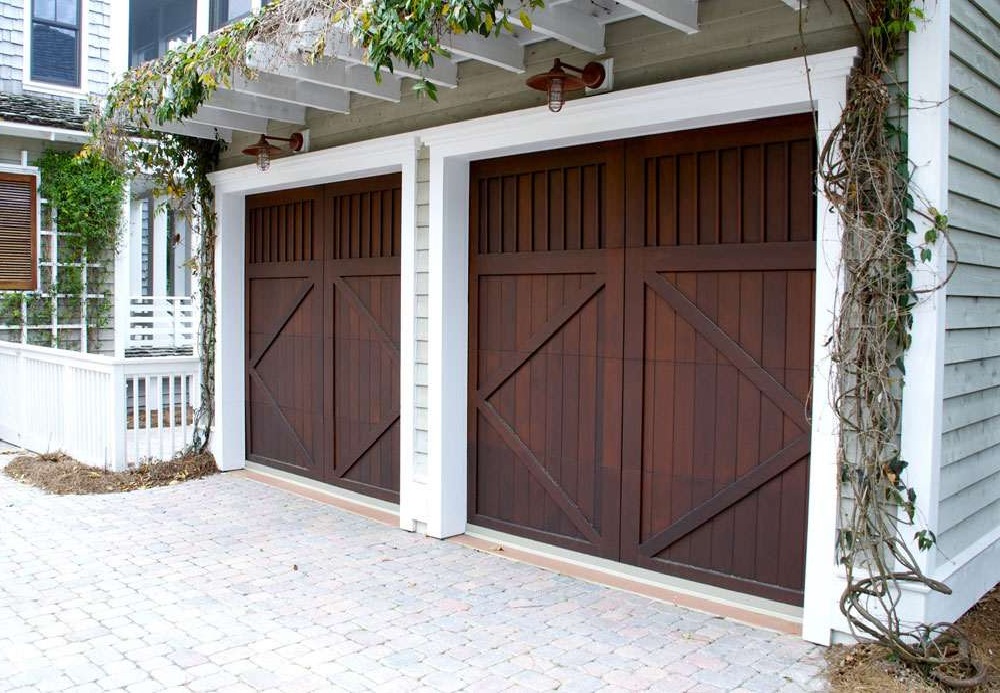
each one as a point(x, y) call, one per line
point(107, 412)
point(162, 322)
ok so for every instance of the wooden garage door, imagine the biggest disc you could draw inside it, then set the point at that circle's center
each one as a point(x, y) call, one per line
point(698, 317)
point(323, 333)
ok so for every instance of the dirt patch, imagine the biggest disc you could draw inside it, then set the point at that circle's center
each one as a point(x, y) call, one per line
point(62, 475)
point(868, 668)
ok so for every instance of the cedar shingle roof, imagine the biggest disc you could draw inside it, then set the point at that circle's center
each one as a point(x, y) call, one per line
point(44, 111)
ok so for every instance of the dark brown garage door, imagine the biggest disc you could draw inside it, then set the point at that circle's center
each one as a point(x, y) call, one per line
point(641, 318)
point(323, 333)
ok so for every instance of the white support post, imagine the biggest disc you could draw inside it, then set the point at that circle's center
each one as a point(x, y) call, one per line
point(821, 593)
point(158, 248)
point(119, 40)
point(447, 473)
point(927, 127)
point(134, 256)
point(411, 499)
point(228, 440)
point(117, 458)
point(201, 22)
point(123, 278)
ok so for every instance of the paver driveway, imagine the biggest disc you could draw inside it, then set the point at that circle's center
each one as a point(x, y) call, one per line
point(229, 584)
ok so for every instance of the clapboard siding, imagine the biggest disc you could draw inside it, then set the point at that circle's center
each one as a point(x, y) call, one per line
point(733, 34)
point(970, 473)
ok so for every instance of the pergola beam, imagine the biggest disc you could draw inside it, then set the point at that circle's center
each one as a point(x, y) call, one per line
point(204, 132)
point(244, 122)
point(295, 91)
point(679, 14)
point(501, 51)
point(273, 109)
point(326, 72)
point(563, 23)
point(339, 44)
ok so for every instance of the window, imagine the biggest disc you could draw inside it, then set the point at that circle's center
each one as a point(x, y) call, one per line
point(18, 232)
point(223, 12)
point(157, 25)
point(55, 42)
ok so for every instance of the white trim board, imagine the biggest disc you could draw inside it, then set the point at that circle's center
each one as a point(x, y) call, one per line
point(437, 501)
point(760, 91)
point(359, 160)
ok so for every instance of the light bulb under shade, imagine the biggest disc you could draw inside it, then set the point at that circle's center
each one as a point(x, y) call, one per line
point(557, 96)
point(263, 161)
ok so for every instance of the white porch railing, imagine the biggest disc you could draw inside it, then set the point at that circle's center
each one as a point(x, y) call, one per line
point(106, 412)
point(162, 322)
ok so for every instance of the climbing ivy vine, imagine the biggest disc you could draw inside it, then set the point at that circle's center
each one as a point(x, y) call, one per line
point(867, 178)
point(85, 194)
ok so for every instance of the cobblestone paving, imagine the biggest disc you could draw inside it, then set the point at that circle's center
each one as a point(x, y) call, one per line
point(226, 584)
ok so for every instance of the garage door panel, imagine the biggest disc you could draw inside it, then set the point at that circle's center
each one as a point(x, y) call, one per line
point(323, 332)
point(363, 370)
point(519, 491)
point(541, 408)
point(694, 403)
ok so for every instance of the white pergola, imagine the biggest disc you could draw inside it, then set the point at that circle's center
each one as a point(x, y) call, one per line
point(285, 86)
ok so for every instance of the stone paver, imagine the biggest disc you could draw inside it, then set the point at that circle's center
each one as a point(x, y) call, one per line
point(225, 584)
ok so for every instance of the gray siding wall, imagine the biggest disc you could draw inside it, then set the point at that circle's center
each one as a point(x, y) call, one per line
point(970, 474)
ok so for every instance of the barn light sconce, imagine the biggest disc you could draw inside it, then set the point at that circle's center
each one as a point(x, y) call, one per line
point(264, 151)
point(557, 81)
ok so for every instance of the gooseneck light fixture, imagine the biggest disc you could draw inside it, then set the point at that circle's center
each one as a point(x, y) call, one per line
point(264, 151)
point(557, 81)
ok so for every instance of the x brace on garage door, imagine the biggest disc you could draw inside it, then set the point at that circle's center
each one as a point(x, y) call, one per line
point(640, 350)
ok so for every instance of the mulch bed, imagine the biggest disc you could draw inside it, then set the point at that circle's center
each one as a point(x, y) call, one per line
point(62, 475)
point(870, 668)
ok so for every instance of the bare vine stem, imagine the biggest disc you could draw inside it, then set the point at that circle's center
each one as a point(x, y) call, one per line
point(866, 178)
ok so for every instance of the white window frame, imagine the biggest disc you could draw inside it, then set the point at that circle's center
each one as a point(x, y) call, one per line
point(203, 15)
point(58, 89)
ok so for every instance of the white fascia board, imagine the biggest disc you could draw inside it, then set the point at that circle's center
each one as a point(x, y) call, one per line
point(272, 109)
point(40, 132)
point(355, 160)
point(244, 122)
point(679, 14)
point(695, 102)
point(563, 23)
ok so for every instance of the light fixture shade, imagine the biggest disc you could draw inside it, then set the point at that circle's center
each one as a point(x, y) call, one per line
point(264, 151)
point(556, 82)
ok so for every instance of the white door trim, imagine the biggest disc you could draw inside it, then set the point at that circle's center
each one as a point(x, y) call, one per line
point(358, 160)
point(761, 91)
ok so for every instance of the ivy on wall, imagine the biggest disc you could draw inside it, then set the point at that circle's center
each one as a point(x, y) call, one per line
point(84, 196)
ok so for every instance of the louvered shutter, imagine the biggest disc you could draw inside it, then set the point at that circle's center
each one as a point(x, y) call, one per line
point(18, 235)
